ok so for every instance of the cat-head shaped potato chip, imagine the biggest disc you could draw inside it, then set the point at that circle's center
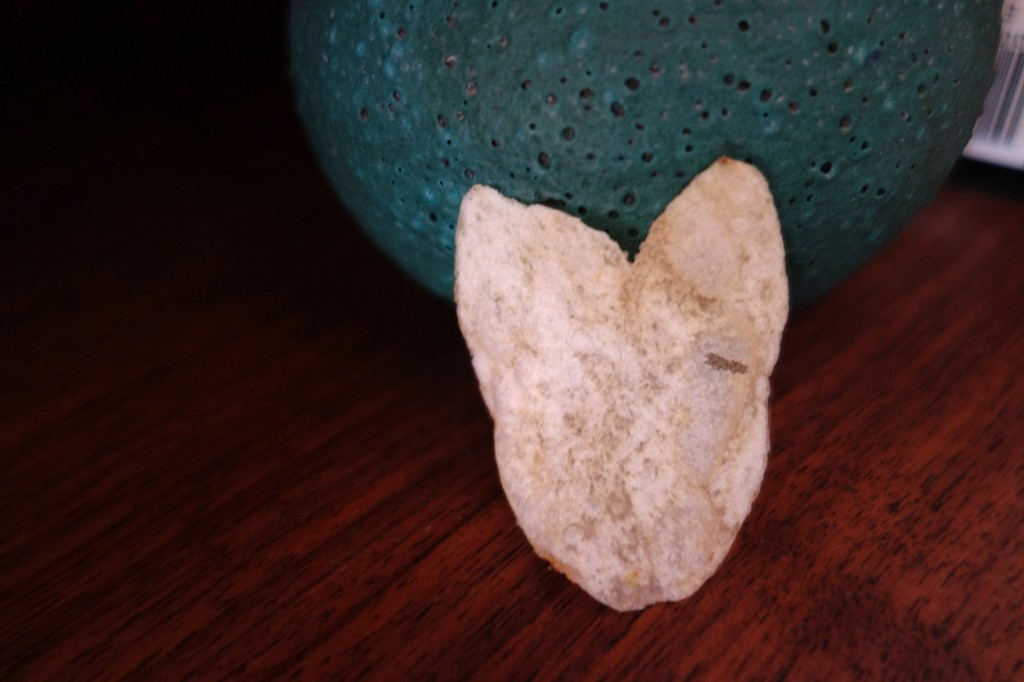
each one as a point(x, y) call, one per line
point(629, 398)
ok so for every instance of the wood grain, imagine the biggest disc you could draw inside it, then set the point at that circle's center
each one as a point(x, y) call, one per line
point(235, 441)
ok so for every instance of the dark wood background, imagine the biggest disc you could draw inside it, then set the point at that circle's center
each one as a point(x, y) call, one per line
point(235, 441)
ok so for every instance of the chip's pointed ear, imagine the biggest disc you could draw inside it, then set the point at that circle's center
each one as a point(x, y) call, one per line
point(519, 267)
point(722, 235)
point(504, 249)
point(501, 227)
point(728, 202)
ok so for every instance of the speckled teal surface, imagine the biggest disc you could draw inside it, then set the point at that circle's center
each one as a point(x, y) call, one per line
point(855, 112)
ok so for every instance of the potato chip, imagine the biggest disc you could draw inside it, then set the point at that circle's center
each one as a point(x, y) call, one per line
point(629, 398)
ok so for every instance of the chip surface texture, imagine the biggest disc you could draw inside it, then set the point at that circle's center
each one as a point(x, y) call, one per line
point(629, 398)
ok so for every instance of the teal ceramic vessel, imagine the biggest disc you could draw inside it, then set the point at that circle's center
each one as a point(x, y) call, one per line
point(855, 111)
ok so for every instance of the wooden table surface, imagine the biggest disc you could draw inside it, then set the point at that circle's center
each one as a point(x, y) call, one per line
point(235, 441)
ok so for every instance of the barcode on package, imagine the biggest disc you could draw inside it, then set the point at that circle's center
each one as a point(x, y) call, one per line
point(999, 133)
